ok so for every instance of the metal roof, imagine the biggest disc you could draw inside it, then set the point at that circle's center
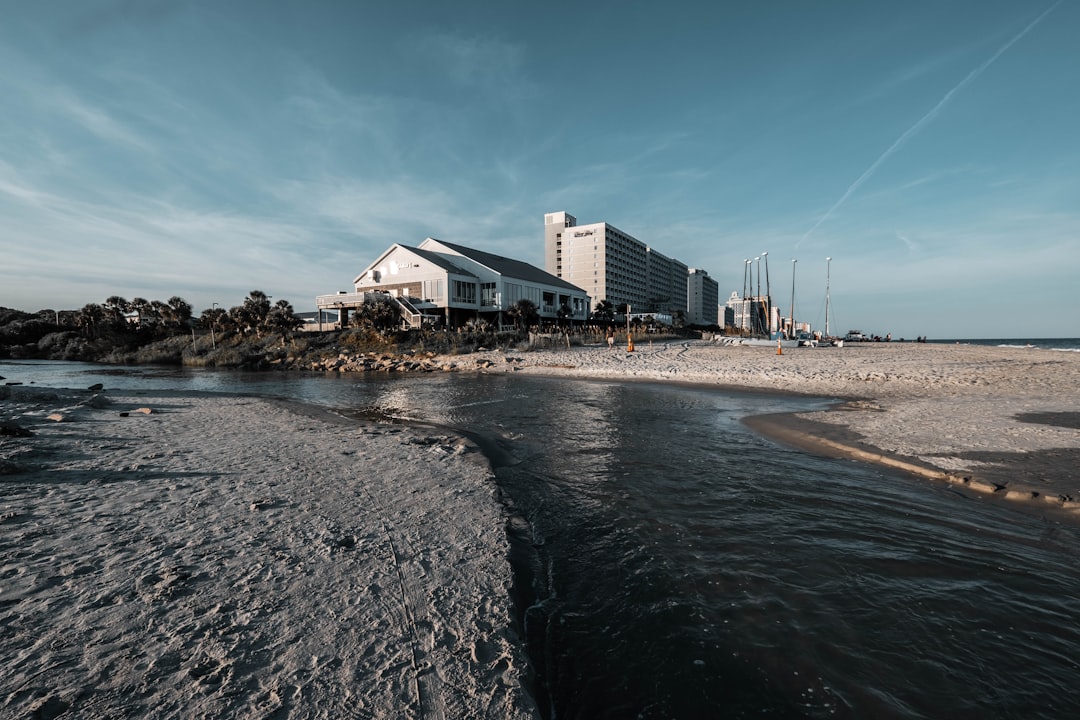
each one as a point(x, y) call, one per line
point(441, 259)
point(509, 267)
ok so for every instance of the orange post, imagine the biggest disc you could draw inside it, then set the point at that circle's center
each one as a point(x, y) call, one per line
point(779, 350)
point(629, 343)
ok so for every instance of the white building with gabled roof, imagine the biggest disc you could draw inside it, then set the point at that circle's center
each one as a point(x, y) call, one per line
point(453, 284)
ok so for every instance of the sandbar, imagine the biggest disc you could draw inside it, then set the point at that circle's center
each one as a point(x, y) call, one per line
point(167, 555)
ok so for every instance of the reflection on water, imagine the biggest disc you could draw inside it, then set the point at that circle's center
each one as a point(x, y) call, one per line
point(675, 565)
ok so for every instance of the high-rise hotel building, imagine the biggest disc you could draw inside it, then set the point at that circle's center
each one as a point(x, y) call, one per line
point(611, 265)
point(704, 296)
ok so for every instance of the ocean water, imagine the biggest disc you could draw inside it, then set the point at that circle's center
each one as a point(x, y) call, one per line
point(1066, 344)
point(668, 563)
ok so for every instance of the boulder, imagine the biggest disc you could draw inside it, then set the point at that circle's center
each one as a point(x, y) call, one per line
point(10, 429)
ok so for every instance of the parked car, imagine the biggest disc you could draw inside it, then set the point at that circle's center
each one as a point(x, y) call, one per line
point(854, 336)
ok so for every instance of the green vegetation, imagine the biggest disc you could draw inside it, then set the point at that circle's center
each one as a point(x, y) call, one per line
point(257, 334)
point(143, 331)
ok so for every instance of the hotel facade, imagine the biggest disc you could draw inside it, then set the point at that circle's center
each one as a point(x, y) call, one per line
point(703, 306)
point(612, 265)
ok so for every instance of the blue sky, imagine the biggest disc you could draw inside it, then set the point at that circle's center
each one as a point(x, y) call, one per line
point(151, 148)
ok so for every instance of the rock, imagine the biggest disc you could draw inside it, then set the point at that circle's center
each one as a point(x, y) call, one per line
point(96, 387)
point(143, 411)
point(97, 401)
point(58, 417)
point(10, 429)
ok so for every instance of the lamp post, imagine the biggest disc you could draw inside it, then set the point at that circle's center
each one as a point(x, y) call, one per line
point(747, 269)
point(213, 321)
point(768, 295)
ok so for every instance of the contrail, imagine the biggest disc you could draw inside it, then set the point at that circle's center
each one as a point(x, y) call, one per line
point(924, 121)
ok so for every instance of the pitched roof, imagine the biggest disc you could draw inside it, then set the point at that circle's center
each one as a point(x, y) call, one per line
point(510, 267)
point(442, 260)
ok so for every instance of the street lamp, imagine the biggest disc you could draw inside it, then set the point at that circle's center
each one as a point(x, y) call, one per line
point(768, 295)
point(213, 321)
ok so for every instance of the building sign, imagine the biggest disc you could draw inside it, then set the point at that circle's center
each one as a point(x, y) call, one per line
point(583, 233)
point(396, 267)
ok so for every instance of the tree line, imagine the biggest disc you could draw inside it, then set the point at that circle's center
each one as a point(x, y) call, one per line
point(155, 319)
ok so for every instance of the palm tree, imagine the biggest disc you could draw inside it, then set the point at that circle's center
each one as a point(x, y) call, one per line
point(115, 309)
point(252, 314)
point(157, 314)
point(211, 319)
point(179, 312)
point(381, 315)
point(89, 319)
point(141, 307)
point(282, 319)
point(523, 313)
point(564, 312)
point(604, 312)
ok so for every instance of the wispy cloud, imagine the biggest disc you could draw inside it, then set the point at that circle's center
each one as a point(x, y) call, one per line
point(96, 120)
point(476, 61)
point(907, 241)
point(924, 121)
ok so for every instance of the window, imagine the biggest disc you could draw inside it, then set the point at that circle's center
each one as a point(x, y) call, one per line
point(433, 290)
point(489, 297)
point(463, 292)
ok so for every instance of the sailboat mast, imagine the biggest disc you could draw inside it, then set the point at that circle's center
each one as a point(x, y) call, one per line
point(768, 296)
point(828, 263)
point(793, 333)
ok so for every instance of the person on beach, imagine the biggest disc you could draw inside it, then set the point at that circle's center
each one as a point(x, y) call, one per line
point(610, 338)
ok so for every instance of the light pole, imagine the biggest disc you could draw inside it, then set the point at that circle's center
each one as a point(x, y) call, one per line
point(213, 321)
point(828, 263)
point(793, 333)
point(747, 270)
point(768, 295)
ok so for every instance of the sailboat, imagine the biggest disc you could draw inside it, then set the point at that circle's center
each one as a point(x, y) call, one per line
point(827, 338)
point(760, 310)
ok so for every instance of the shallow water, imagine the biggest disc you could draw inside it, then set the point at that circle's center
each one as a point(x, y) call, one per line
point(671, 564)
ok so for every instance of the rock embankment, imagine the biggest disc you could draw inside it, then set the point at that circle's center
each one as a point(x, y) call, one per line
point(409, 362)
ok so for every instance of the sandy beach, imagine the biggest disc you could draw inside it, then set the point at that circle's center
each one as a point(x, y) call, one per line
point(212, 556)
point(223, 557)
